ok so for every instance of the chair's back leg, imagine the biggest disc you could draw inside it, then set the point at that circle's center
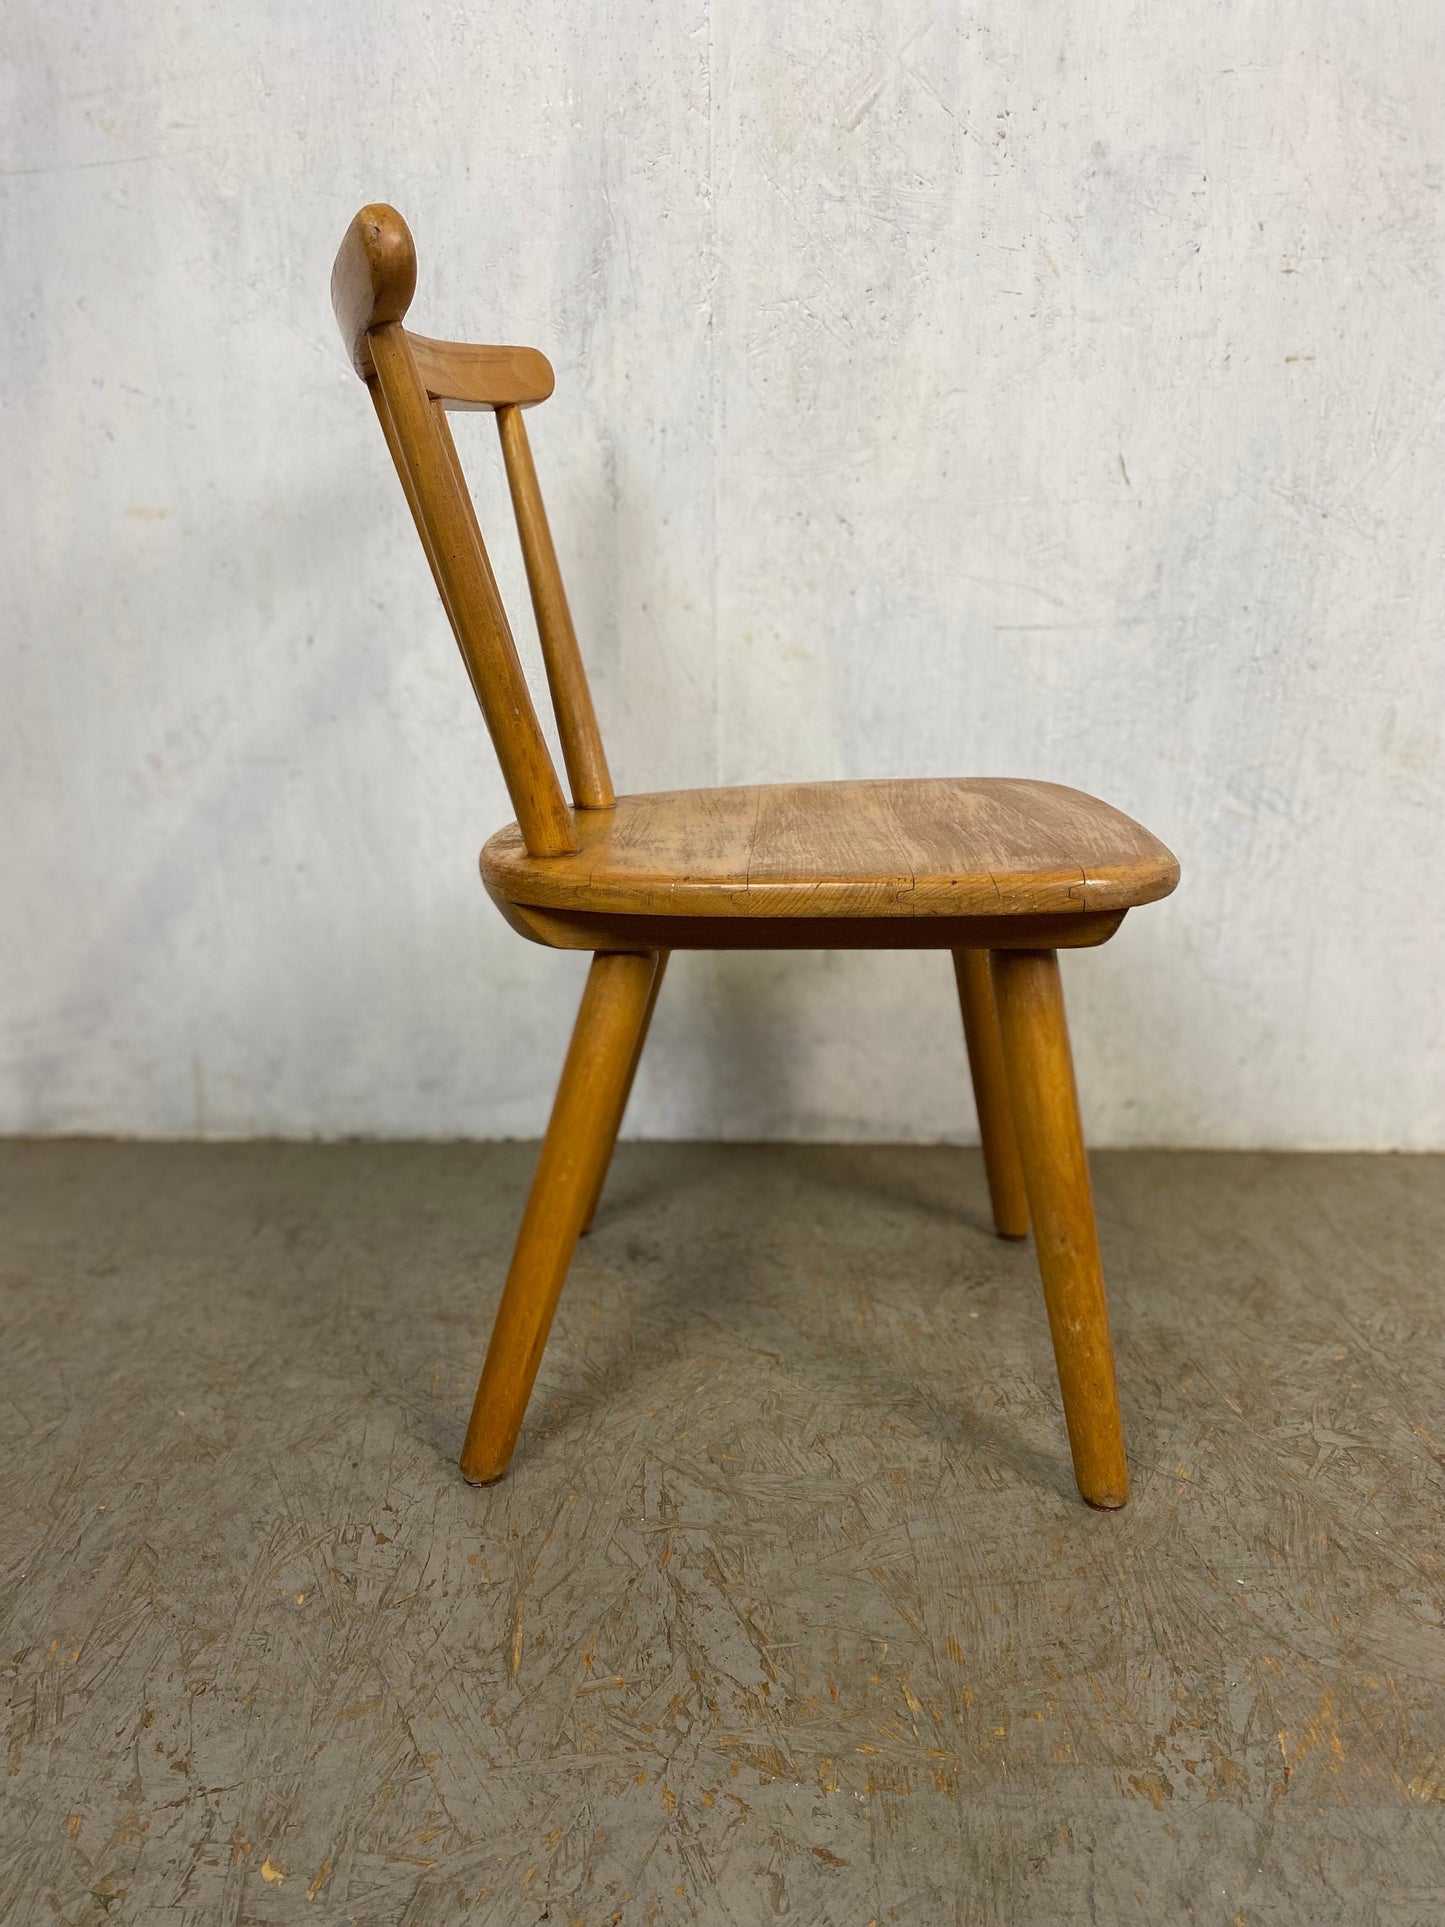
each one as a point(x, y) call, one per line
point(1056, 1173)
point(616, 1123)
point(990, 1094)
point(569, 1172)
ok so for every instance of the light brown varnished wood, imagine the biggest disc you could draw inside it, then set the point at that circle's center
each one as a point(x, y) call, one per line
point(582, 749)
point(936, 847)
point(615, 1124)
point(465, 375)
point(399, 461)
point(1061, 1200)
point(1017, 868)
point(469, 593)
point(604, 930)
point(373, 279)
point(569, 1173)
point(990, 1093)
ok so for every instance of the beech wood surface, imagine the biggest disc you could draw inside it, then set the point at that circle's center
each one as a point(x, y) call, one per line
point(1045, 1110)
point(932, 847)
point(1014, 867)
point(614, 1123)
point(613, 930)
point(467, 375)
point(582, 749)
point(373, 280)
point(990, 1094)
point(569, 1173)
point(469, 594)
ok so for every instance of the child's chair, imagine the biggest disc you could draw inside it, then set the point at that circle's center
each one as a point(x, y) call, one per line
point(1002, 873)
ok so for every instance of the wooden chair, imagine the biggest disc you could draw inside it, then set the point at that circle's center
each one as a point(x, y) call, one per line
point(1002, 873)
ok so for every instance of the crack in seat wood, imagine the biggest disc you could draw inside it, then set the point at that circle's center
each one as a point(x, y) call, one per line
point(1003, 873)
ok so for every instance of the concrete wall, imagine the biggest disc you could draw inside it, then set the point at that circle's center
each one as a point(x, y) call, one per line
point(1044, 390)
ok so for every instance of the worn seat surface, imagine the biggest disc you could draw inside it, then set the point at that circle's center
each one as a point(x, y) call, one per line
point(928, 847)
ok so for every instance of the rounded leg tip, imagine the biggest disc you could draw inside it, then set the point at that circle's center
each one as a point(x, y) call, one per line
point(1108, 1500)
point(484, 1478)
point(1011, 1234)
point(478, 1469)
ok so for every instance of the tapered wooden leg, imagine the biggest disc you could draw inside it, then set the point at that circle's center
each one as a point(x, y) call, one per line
point(573, 1157)
point(990, 1094)
point(616, 1124)
point(1056, 1174)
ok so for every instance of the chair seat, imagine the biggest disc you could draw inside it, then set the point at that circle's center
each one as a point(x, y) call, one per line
point(931, 847)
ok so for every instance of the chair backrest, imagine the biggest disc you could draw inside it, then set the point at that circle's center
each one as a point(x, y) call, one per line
point(413, 382)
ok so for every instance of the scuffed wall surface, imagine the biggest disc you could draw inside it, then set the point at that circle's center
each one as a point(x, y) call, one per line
point(1046, 391)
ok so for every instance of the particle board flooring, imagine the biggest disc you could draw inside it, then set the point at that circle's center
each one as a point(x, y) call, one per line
point(788, 1608)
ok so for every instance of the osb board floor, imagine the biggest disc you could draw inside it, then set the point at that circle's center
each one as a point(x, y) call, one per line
point(788, 1607)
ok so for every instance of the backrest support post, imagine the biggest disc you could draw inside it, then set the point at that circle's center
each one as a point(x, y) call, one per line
point(413, 381)
point(582, 749)
point(431, 476)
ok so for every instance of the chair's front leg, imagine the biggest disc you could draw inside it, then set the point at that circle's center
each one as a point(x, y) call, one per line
point(1056, 1173)
point(568, 1176)
point(990, 1094)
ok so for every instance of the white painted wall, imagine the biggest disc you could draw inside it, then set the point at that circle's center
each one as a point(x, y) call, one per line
point(1045, 389)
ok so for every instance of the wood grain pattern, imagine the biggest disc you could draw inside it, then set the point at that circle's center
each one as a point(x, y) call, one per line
point(466, 375)
point(373, 282)
point(990, 1093)
point(1045, 1112)
point(582, 749)
point(585, 1117)
point(934, 847)
point(613, 930)
point(614, 1123)
point(469, 594)
point(971, 864)
point(373, 279)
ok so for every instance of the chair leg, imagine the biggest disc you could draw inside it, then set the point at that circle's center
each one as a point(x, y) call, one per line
point(616, 1123)
point(573, 1156)
point(990, 1094)
point(1056, 1172)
